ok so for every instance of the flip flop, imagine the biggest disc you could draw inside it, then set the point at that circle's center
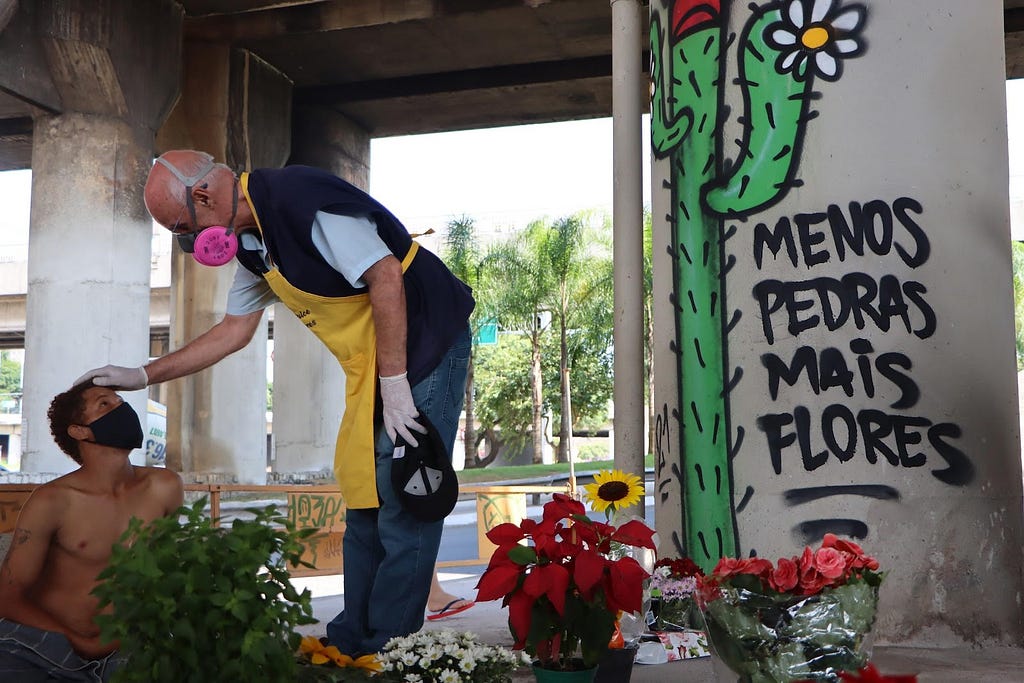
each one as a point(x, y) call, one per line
point(448, 611)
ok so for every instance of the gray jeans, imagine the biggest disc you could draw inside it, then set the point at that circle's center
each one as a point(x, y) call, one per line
point(31, 655)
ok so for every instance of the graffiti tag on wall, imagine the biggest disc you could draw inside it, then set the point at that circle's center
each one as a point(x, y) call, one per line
point(857, 399)
point(781, 50)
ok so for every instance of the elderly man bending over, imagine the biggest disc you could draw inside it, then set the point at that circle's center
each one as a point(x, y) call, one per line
point(64, 536)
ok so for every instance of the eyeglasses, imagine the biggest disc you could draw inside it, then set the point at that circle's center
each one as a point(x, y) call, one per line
point(187, 240)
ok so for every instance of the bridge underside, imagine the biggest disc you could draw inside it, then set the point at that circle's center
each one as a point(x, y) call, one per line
point(393, 68)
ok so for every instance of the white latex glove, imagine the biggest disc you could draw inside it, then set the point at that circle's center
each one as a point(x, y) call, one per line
point(399, 411)
point(128, 379)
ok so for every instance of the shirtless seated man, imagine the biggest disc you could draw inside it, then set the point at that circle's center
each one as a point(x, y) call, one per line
point(64, 536)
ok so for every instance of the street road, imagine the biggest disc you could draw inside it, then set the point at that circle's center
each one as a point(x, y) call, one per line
point(458, 540)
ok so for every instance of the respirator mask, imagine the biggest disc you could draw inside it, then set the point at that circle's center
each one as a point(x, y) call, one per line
point(215, 245)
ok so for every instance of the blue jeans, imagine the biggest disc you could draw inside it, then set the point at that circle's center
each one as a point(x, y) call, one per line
point(32, 655)
point(389, 555)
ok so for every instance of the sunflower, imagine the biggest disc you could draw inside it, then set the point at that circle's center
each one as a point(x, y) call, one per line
point(613, 490)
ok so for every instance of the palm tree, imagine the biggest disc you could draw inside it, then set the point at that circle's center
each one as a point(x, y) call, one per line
point(648, 285)
point(463, 257)
point(575, 255)
point(516, 275)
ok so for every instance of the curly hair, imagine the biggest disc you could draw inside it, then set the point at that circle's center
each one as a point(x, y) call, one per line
point(65, 410)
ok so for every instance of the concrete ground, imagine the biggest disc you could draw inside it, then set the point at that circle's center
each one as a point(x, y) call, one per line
point(490, 624)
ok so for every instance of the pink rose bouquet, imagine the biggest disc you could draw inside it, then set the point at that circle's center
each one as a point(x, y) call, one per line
point(800, 618)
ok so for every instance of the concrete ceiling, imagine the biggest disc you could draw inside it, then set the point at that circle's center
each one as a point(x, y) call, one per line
point(411, 66)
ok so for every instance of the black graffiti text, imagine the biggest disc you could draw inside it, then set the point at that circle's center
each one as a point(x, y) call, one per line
point(896, 439)
point(874, 227)
point(829, 369)
point(859, 298)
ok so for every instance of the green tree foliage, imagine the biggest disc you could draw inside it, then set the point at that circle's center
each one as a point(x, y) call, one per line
point(648, 285)
point(591, 379)
point(518, 283)
point(1018, 300)
point(550, 288)
point(582, 358)
point(503, 391)
point(462, 255)
point(575, 256)
point(10, 377)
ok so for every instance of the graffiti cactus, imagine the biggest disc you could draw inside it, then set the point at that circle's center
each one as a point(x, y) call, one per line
point(781, 49)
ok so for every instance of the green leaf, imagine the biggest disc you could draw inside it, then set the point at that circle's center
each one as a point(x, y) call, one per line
point(523, 555)
point(189, 597)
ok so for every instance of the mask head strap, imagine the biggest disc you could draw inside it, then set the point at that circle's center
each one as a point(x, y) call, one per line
point(189, 181)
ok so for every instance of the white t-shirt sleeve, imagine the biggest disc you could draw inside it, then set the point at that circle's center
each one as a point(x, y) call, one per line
point(249, 293)
point(349, 243)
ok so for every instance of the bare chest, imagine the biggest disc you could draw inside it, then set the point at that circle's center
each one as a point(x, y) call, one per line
point(93, 524)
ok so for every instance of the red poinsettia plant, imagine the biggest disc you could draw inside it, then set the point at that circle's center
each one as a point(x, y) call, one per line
point(562, 588)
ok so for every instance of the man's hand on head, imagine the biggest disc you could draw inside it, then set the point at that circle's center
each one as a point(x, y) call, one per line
point(128, 379)
point(399, 411)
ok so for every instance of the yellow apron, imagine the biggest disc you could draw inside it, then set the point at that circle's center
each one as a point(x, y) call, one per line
point(345, 326)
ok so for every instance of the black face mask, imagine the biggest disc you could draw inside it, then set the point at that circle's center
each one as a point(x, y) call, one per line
point(119, 428)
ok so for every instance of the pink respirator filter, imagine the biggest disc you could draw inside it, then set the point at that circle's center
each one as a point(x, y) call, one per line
point(215, 246)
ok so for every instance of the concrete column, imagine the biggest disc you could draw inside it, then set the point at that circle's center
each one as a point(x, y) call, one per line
point(309, 397)
point(629, 438)
point(325, 139)
point(88, 266)
point(89, 237)
point(309, 386)
point(236, 107)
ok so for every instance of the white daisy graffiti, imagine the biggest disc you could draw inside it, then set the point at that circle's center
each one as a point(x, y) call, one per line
point(815, 36)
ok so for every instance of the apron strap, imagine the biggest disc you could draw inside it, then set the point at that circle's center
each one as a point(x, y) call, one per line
point(410, 255)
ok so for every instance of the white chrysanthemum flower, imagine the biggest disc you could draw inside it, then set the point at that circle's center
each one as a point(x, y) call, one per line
point(445, 655)
point(430, 652)
point(814, 37)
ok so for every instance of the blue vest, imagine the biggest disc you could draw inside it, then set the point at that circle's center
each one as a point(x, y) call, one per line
point(286, 200)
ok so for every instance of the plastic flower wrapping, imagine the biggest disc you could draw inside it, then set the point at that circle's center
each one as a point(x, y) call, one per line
point(802, 618)
point(673, 584)
point(445, 656)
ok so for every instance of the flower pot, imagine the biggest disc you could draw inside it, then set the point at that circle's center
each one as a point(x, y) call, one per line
point(616, 666)
point(558, 676)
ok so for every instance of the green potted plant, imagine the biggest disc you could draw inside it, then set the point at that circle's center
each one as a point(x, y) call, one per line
point(189, 601)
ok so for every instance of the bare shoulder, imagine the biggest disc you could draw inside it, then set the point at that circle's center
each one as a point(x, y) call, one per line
point(53, 494)
point(165, 484)
point(46, 505)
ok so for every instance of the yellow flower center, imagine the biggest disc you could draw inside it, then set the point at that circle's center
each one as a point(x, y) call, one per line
point(814, 37)
point(612, 491)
